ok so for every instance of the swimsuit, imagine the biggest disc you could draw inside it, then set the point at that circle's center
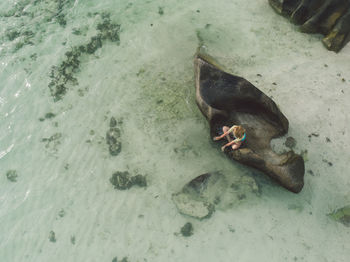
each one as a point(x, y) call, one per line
point(232, 135)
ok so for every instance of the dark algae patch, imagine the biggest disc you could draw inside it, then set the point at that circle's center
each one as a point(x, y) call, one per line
point(12, 175)
point(124, 259)
point(63, 75)
point(187, 230)
point(341, 215)
point(72, 240)
point(113, 138)
point(52, 237)
point(47, 116)
point(123, 180)
point(52, 142)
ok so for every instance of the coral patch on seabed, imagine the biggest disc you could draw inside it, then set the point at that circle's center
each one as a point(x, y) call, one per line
point(64, 74)
point(201, 196)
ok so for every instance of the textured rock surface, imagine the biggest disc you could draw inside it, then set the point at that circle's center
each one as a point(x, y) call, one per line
point(226, 99)
point(328, 17)
point(201, 196)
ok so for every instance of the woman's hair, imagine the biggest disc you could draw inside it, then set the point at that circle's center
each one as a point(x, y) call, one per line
point(239, 131)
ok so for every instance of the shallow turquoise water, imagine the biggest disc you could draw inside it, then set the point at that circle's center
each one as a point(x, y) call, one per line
point(145, 80)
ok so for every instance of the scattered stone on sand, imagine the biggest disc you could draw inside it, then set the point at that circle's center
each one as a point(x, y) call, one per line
point(315, 134)
point(327, 162)
point(341, 215)
point(187, 230)
point(52, 236)
point(201, 196)
point(113, 138)
point(123, 180)
point(12, 175)
point(311, 172)
point(290, 142)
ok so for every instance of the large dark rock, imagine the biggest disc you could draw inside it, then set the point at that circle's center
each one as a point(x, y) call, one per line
point(225, 99)
point(328, 17)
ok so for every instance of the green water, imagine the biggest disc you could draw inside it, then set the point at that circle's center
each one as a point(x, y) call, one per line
point(135, 63)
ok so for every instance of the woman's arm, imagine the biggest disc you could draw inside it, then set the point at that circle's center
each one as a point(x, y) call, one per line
point(222, 136)
point(215, 138)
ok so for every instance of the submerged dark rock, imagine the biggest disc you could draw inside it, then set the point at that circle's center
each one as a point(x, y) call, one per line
point(225, 100)
point(123, 180)
point(328, 17)
point(341, 215)
point(201, 196)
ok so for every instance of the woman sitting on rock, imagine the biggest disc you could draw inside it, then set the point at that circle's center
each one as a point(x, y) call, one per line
point(234, 135)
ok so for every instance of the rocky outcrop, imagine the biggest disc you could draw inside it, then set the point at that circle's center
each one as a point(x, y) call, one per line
point(328, 17)
point(225, 100)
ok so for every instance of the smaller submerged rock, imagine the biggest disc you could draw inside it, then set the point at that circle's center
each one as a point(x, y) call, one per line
point(341, 215)
point(12, 175)
point(123, 180)
point(201, 196)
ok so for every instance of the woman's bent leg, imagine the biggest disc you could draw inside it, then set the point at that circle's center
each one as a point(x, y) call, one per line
point(236, 145)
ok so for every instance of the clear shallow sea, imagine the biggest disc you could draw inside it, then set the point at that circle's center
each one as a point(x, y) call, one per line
point(145, 80)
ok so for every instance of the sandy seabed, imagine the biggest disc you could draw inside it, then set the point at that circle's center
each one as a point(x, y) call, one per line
point(146, 82)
